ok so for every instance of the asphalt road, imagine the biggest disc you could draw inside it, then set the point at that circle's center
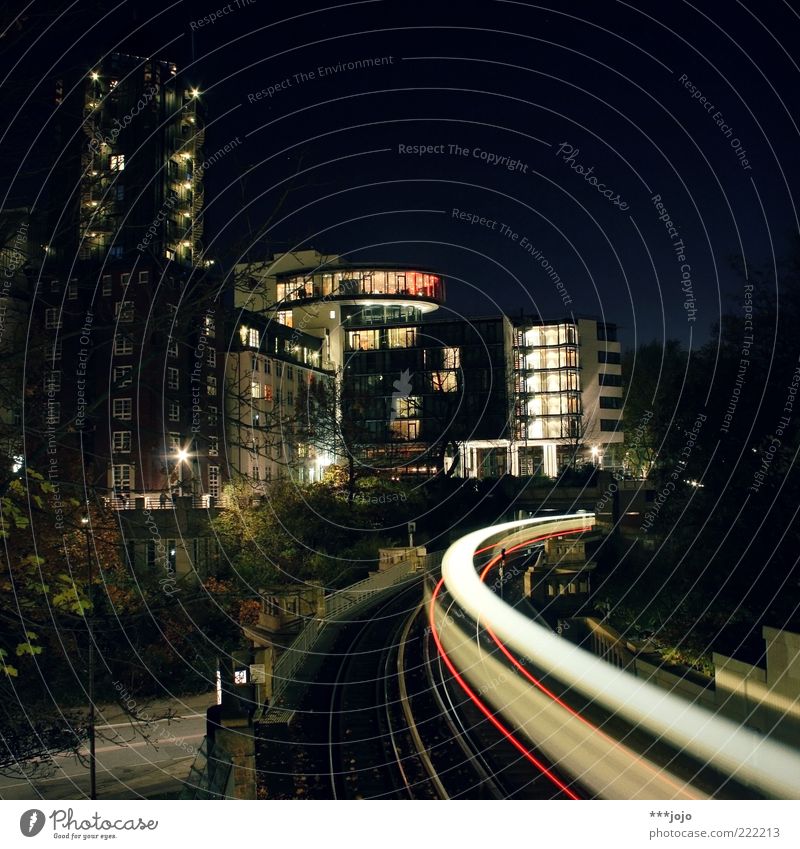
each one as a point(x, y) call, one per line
point(128, 765)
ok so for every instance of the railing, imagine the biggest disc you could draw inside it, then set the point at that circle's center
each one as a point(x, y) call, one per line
point(155, 501)
point(337, 605)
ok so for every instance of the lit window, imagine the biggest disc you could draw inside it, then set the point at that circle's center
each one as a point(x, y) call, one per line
point(122, 441)
point(52, 318)
point(212, 416)
point(117, 162)
point(122, 344)
point(267, 392)
point(213, 481)
point(213, 446)
point(212, 358)
point(210, 326)
point(122, 409)
point(211, 383)
point(451, 357)
point(122, 476)
point(255, 389)
point(253, 338)
point(445, 381)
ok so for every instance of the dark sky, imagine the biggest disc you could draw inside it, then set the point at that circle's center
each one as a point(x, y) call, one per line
point(508, 79)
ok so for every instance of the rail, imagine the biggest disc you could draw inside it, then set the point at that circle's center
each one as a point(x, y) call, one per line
point(741, 753)
point(337, 606)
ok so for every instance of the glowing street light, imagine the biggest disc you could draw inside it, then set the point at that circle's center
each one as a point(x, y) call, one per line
point(183, 455)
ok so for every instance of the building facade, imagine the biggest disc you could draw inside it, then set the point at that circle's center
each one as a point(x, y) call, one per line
point(269, 368)
point(125, 299)
point(476, 397)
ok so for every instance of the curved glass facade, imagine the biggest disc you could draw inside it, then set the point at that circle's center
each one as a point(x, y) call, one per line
point(349, 283)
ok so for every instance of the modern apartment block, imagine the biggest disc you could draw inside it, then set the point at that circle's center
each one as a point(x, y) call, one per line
point(268, 366)
point(476, 397)
point(567, 394)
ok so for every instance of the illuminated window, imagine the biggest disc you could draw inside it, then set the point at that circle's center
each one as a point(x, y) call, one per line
point(122, 344)
point(445, 381)
point(123, 376)
point(451, 358)
point(253, 338)
point(267, 392)
point(401, 337)
point(122, 441)
point(210, 326)
point(407, 408)
point(213, 481)
point(406, 429)
point(117, 162)
point(122, 409)
point(211, 384)
point(255, 389)
point(213, 446)
point(122, 476)
point(212, 416)
point(212, 358)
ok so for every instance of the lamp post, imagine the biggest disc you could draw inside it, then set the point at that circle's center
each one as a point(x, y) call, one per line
point(90, 630)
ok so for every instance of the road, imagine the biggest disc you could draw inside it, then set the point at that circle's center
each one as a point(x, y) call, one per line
point(128, 765)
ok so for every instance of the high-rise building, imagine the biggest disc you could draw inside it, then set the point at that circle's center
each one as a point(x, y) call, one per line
point(126, 298)
point(479, 397)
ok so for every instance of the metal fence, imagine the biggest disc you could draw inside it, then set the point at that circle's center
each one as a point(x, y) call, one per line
point(337, 606)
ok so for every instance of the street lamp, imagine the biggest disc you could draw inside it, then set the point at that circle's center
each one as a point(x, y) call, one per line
point(90, 631)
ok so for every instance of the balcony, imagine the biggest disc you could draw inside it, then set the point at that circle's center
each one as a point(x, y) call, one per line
point(157, 501)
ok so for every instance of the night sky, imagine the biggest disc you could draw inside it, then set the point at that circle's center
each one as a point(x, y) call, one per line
point(695, 104)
